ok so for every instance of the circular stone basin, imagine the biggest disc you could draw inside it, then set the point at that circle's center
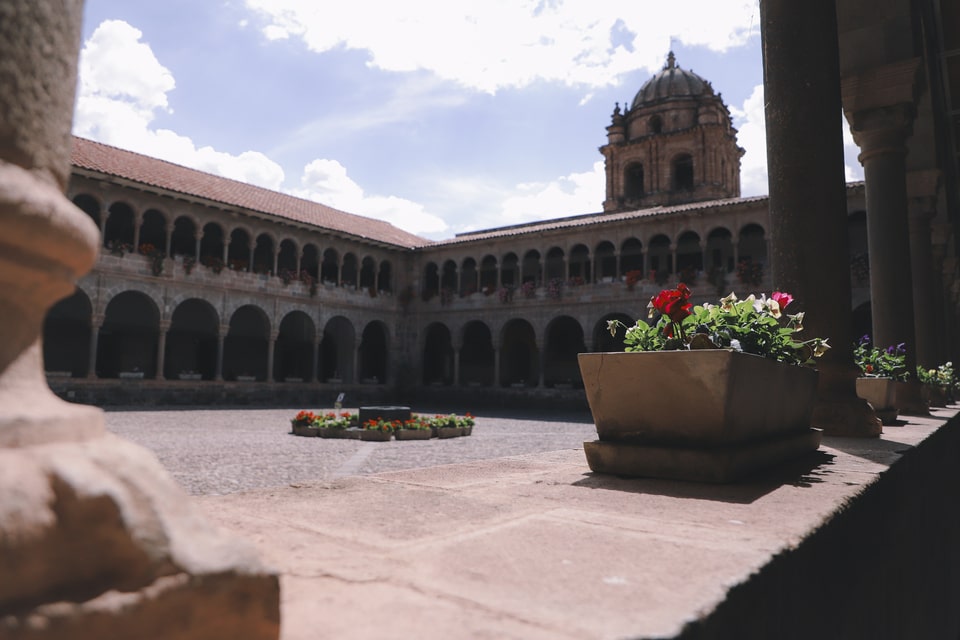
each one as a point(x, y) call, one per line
point(387, 413)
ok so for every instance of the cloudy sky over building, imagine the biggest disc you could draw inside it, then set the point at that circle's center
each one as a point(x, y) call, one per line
point(439, 117)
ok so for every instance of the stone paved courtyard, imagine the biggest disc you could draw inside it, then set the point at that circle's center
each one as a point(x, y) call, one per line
point(220, 451)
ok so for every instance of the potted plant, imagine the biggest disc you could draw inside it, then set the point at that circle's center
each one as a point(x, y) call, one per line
point(415, 428)
point(939, 385)
point(305, 424)
point(708, 392)
point(880, 371)
point(378, 430)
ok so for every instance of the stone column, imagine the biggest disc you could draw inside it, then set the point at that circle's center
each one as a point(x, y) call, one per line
point(162, 348)
point(221, 336)
point(168, 234)
point(496, 364)
point(456, 365)
point(198, 236)
point(137, 223)
point(95, 323)
point(276, 261)
point(922, 188)
point(316, 358)
point(251, 248)
point(271, 348)
point(97, 541)
point(808, 196)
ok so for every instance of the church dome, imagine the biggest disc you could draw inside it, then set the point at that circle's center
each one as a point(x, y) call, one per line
point(671, 82)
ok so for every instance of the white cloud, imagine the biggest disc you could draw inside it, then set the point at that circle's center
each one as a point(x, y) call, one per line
point(122, 87)
point(573, 194)
point(495, 44)
point(752, 136)
point(327, 181)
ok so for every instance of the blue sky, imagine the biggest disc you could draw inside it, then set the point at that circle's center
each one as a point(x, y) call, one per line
point(439, 117)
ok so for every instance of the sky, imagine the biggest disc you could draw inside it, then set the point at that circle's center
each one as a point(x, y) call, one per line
point(439, 117)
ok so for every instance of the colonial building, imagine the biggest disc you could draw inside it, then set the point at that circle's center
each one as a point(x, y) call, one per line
point(207, 289)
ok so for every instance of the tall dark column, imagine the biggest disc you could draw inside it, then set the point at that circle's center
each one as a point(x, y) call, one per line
point(807, 195)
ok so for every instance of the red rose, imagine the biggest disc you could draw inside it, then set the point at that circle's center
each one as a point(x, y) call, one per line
point(673, 303)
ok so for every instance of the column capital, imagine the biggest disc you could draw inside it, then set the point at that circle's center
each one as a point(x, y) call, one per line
point(879, 87)
point(881, 130)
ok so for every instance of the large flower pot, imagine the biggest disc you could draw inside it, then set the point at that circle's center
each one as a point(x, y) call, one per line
point(708, 414)
point(881, 393)
point(412, 434)
point(375, 435)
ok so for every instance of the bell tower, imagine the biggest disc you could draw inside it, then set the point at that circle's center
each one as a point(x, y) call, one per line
point(674, 144)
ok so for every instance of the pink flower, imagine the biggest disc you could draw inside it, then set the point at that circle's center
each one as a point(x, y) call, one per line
point(782, 299)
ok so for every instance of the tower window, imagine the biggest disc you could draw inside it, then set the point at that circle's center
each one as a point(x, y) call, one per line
point(633, 181)
point(656, 124)
point(683, 173)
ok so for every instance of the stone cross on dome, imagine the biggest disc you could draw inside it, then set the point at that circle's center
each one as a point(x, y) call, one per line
point(671, 61)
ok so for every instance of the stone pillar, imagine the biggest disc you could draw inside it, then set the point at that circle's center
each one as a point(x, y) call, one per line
point(162, 348)
point(168, 233)
point(221, 336)
point(271, 348)
point(456, 365)
point(198, 236)
point(226, 251)
point(96, 540)
point(316, 359)
point(496, 364)
point(137, 223)
point(808, 196)
point(251, 248)
point(276, 262)
point(922, 188)
point(95, 323)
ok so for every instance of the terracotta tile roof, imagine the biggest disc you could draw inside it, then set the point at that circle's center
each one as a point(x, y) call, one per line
point(595, 218)
point(112, 161)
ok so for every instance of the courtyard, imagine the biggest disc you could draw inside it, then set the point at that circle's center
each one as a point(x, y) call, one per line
point(219, 451)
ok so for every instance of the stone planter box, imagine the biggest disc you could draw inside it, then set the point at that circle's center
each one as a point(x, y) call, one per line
point(375, 435)
point(310, 432)
point(936, 395)
point(449, 432)
point(412, 434)
point(707, 415)
point(881, 393)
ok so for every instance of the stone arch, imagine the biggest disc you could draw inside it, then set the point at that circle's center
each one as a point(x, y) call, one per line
point(330, 267)
point(752, 249)
point(191, 346)
point(118, 231)
point(310, 261)
point(153, 233)
point(519, 356)
point(374, 351)
point(655, 124)
point(246, 344)
point(660, 260)
point(90, 206)
point(385, 277)
point(468, 277)
point(128, 338)
point(477, 355)
point(633, 186)
point(510, 270)
point(689, 256)
point(431, 281)
point(606, 261)
point(602, 340)
point(264, 253)
point(66, 335)
point(211, 246)
point(563, 340)
point(287, 258)
point(183, 240)
point(719, 250)
point(531, 269)
point(448, 278)
point(368, 274)
point(350, 271)
point(631, 256)
point(238, 252)
point(579, 265)
point(437, 355)
point(681, 172)
point(337, 350)
point(554, 264)
point(293, 351)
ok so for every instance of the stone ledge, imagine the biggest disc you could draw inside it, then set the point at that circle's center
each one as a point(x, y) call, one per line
point(856, 541)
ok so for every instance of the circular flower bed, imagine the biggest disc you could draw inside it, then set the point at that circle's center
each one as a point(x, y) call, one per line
point(347, 424)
